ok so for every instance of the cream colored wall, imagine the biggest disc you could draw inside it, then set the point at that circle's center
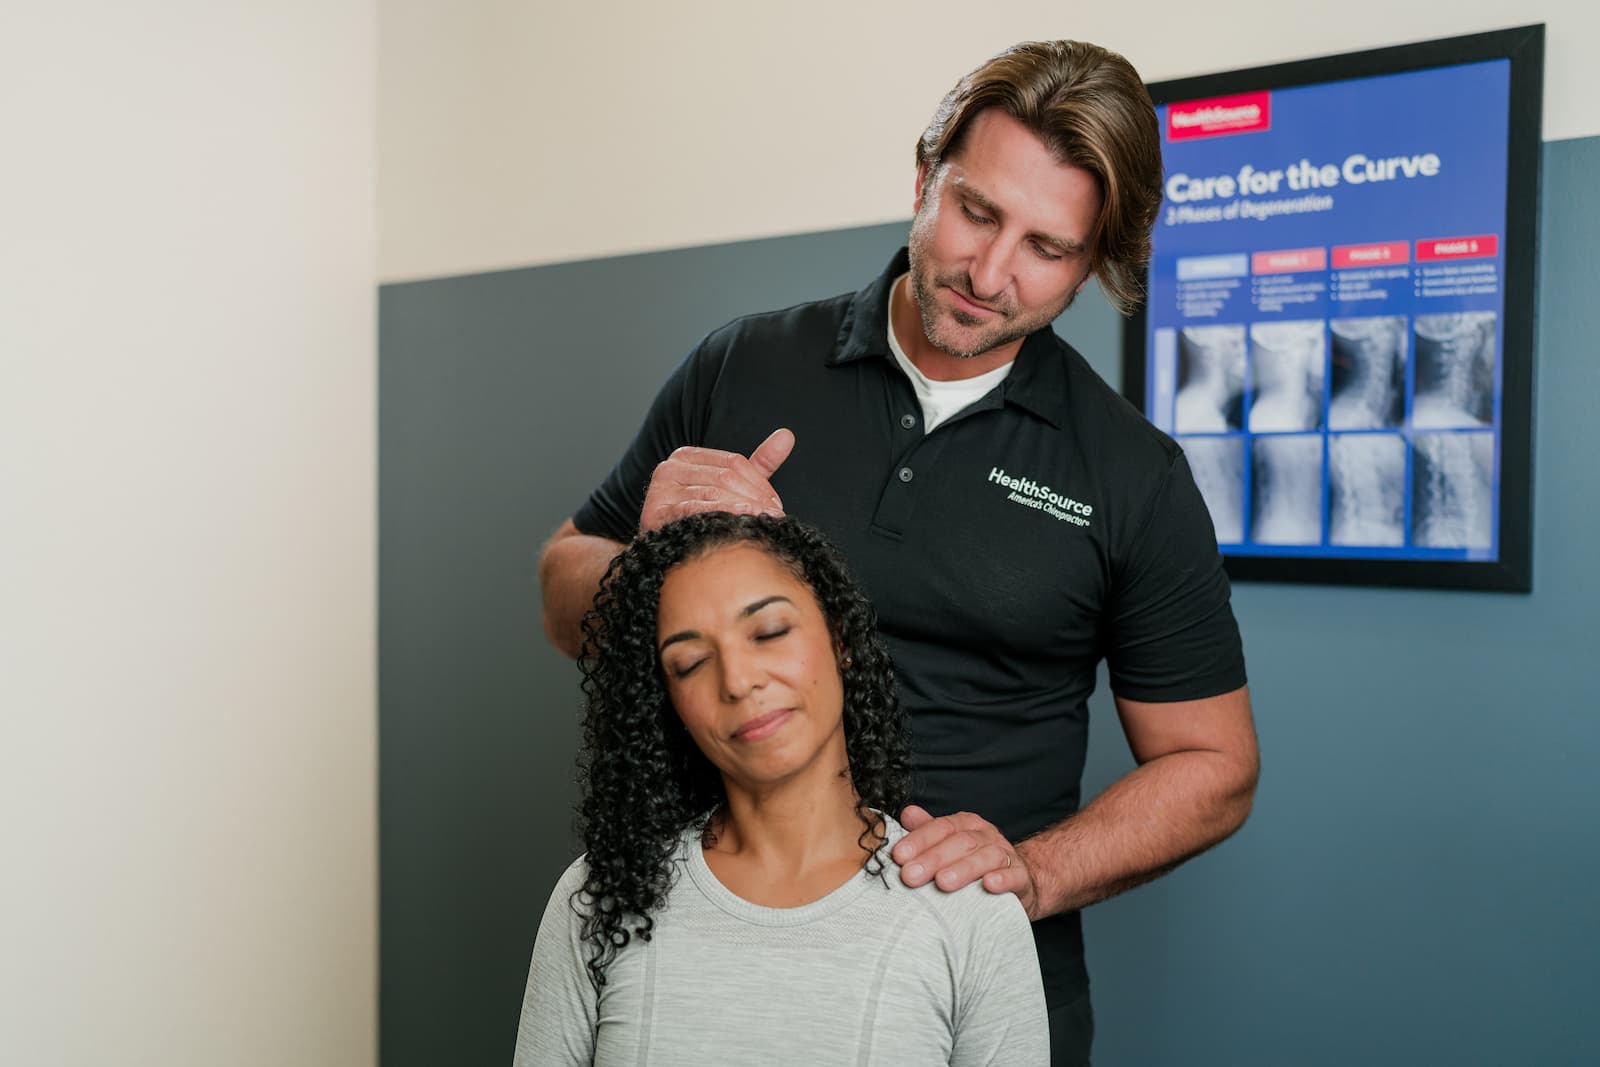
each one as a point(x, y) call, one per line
point(516, 133)
point(187, 388)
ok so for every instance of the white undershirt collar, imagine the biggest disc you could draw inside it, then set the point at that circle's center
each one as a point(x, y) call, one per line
point(940, 400)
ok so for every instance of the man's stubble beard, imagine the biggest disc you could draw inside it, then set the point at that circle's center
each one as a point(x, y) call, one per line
point(925, 287)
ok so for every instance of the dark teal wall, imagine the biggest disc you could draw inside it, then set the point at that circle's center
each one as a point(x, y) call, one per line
point(1417, 884)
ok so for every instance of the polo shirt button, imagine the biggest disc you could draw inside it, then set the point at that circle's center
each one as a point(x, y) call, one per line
point(908, 421)
point(905, 473)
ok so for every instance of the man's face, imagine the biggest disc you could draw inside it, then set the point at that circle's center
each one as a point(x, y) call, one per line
point(1001, 239)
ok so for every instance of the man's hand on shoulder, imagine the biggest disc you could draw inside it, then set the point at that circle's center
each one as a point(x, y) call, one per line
point(692, 480)
point(953, 851)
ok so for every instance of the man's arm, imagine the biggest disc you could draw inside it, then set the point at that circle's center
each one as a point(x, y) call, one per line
point(570, 568)
point(1196, 779)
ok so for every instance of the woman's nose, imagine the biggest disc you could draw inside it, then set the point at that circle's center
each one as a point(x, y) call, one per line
point(741, 674)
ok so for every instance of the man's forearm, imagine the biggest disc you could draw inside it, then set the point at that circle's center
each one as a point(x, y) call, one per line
point(570, 569)
point(1146, 823)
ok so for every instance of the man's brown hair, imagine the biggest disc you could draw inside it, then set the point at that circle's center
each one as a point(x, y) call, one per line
point(1090, 109)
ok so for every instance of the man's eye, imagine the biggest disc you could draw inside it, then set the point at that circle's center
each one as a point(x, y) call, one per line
point(973, 216)
point(768, 635)
point(1046, 252)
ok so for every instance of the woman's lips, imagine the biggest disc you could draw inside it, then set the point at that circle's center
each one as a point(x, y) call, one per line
point(763, 725)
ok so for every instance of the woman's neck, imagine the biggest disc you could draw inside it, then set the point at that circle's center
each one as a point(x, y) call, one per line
point(785, 847)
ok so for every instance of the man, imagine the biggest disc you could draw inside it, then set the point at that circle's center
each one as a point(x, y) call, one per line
point(1013, 518)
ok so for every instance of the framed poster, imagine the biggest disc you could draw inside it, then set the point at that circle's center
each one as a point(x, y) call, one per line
point(1339, 330)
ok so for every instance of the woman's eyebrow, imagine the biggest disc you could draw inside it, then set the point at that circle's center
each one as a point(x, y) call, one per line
point(681, 635)
point(749, 610)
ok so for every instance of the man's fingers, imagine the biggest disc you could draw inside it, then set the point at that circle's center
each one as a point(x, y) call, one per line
point(927, 831)
point(693, 479)
point(1013, 879)
point(705, 474)
point(915, 816)
point(736, 507)
point(959, 847)
point(729, 470)
point(994, 859)
point(930, 850)
point(702, 482)
point(924, 832)
point(658, 515)
point(957, 850)
point(770, 454)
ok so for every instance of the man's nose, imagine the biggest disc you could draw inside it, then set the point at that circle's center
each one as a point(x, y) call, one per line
point(991, 269)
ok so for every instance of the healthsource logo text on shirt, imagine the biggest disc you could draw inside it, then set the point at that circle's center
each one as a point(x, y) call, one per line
point(1029, 493)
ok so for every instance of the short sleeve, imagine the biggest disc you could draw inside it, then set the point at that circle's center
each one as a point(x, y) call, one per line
point(676, 418)
point(1171, 634)
point(1001, 1018)
point(559, 1006)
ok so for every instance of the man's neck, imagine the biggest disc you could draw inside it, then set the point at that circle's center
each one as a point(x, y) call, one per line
point(905, 319)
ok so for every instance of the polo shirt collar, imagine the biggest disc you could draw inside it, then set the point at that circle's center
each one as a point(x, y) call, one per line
point(1038, 379)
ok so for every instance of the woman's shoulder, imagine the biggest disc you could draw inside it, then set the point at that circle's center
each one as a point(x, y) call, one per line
point(567, 904)
point(573, 878)
point(570, 886)
point(969, 909)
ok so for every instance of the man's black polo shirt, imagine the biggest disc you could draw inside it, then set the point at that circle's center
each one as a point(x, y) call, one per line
point(1041, 529)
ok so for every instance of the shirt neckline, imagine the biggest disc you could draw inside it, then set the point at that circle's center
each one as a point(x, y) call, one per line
point(957, 389)
point(1037, 382)
point(693, 857)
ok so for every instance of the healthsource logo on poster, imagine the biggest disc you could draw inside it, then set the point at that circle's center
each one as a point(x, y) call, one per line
point(1220, 115)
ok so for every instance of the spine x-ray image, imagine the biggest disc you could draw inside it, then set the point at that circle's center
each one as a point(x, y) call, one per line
point(1210, 379)
point(1455, 360)
point(1366, 489)
point(1286, 375)
point(1286, 490)
point(1369, 373)
point(1452, 495)
point(1218, 466)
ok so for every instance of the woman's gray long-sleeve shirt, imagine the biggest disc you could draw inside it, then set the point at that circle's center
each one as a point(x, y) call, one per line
point(873, 973)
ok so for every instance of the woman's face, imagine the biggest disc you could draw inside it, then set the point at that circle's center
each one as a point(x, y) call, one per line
point(751, 667)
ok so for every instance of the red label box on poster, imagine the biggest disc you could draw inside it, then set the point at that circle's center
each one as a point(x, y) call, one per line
point(1346, 257)
point(1289, 260)
point(1478, 247)
point(1219, 115)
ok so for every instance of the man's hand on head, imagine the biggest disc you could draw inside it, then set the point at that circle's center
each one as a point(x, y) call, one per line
point(956, 850)
point(692, 480)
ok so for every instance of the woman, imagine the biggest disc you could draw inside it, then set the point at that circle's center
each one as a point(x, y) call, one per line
point(737, 903)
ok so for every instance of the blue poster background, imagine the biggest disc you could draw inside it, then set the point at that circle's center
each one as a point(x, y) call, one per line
point(1269, 375)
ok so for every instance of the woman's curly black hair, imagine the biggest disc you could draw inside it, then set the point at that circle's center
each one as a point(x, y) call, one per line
point(643, 779)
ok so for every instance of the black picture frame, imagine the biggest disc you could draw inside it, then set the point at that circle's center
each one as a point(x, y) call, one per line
point(1524, 47)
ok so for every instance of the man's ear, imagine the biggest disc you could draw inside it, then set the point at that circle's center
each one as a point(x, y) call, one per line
point(1081, 284)
point(923, 172)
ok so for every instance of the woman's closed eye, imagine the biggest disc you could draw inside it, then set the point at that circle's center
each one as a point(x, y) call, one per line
point(683, 669)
